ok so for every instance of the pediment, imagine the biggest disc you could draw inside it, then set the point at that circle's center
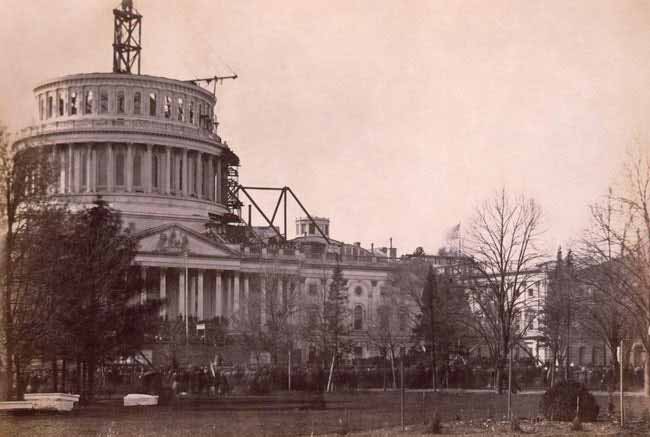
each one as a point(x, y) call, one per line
point(177, 239)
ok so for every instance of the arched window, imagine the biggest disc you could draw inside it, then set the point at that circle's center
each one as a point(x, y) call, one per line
point(358, 291)
point(152, 104)
point(137, 103)
point(596, 357)
point(181, 114)
point(167, 107)
point(103, 101)
point(88, 106)
point(120, 102)
point(581, 356)
point(60, 103)
point(73, 103)
point(383, 313)
point(358, 317)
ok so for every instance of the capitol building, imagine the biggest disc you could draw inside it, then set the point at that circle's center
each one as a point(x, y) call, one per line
point(149, 147)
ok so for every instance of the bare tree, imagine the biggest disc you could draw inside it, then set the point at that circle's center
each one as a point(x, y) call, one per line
point(502, 245)
point(275, 292)
point(619, 244)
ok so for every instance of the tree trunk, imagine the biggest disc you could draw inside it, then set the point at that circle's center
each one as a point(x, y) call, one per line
point(9, 372)
point(385, 368)
point(20, 386)
point(90, 373)
point(392, 368)
point(55, 376)
point(63, 376)
point(434, 371)
point(646, 377)
point(329, 379)
point(498, 373)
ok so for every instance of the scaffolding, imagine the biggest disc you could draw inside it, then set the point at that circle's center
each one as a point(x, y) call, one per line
point(127, 36)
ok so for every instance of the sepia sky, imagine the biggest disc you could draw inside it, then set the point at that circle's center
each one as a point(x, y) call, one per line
point(393, 118)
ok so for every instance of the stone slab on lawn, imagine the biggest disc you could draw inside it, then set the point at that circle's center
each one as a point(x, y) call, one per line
point(136, 399)
point(52, 401)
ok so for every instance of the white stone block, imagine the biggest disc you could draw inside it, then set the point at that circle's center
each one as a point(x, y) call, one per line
point(135, 399)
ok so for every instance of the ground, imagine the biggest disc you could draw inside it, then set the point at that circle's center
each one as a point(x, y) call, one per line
point(284, 414)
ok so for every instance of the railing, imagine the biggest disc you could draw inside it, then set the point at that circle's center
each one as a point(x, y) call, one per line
point(330, 258)
point(138, 124)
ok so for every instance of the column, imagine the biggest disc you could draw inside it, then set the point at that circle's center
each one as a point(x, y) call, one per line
point(147, 170)
point(200, 315)
point(235, 301)
point(218, 295)
point(129, 167)
point(191, 294)
point(246, 295)
point(143, 292)
point(77, 170)
point(89, 175)
point(163, 291)
point(185, 172)
point(110, 173)
point(199, 175)
point(263, 302)
point(181, 293)
point(168, 169)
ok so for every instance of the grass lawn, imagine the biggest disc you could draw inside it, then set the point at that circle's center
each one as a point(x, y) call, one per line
point(367, 414)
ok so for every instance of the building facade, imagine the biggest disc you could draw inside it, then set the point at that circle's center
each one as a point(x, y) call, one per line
point(149, 147)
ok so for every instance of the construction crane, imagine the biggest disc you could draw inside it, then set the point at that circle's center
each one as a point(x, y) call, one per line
point(209, 80)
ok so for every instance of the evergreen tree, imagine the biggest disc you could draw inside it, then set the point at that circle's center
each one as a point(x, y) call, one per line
point(101, 310)
point(336, 320)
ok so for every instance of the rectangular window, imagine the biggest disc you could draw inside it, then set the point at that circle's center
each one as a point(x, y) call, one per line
point(137, 103)
point(206, 178)
point(41, 107)
point(88, 109)
point(119, 167)
point(303, 229)
point(73, 103)
point(120, 102)
point(137, 169)
point(172, 173)
point(180, 175)
point(84, 167)
point(152, 104)
point(191, 112)
point(103, 101)
point(50, 103)
point(60, 103)
point(167, 107)
point(155, 171)
point(194, 170)
point(181, 114)
point(101, 168)
point(312, 229)
point(313, 289)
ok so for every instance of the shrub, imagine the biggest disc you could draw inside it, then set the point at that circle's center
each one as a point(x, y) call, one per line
point(559, 402)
